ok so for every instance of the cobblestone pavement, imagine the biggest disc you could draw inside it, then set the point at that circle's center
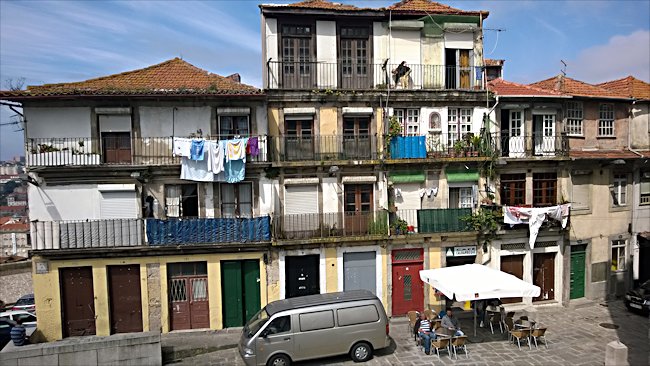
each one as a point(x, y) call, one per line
point(575, 337)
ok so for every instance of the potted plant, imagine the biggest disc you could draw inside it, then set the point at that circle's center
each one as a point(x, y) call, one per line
point(400, 226)
point(476, 144)
point(459, 147)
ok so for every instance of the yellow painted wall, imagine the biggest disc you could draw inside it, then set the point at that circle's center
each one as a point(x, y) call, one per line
point(273, 116)
point(47, 289)
point(328, 129)
point(331, 270)
point(435, 261)
point(384, 275)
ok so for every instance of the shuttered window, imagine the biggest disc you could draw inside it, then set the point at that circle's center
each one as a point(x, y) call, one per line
point(301, 199)
point(119, 205)
point(581, 192)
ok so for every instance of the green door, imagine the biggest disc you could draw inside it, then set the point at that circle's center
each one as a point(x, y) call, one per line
point(240, 291)
point(577, 272)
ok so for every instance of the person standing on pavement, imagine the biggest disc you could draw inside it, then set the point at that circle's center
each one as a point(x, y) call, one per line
point(18, 333)
point(425, 333)
point(451, 323)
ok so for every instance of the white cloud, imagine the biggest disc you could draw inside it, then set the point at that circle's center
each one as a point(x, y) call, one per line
point(623, 55)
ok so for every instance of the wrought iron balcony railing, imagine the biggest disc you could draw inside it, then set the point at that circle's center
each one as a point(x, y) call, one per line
point(309, 75)
point(329, 225)
point(323, 147)
point(111, 150)
point(532, 145)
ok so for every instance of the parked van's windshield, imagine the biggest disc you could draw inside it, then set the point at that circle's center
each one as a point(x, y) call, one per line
point(257, 321)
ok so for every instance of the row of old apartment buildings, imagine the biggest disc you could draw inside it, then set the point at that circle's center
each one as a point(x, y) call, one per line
point(376, 134)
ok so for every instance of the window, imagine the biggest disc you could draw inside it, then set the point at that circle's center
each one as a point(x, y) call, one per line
point(618, 255)
point(619, 190)
point(236, 200)
point(354, 51)
point(231, 126)
point(544, 189)
point(460, 123)
point(316, 320)
point(461, 197)
point(296, 55)
point(181, 200)
point(606, 120)
point(513, 189)
point(574, 118)
point(581, 192)
point(357, 315)
point(409, 119)
point(645, 189)
point(280, 324)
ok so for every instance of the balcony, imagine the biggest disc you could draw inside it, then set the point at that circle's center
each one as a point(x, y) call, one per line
point(342, 75)
point(438, 145)
point(440, 220)
point(114, 150)
point(532, 145)
point(330, 225)
point(323, 148)
point(119, 233)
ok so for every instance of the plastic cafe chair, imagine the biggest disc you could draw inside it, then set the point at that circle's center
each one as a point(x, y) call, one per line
point(459, 342)
point(441, 344)
point(521, 334)
point(510, 326)
point(495, 318)
point(539, 333)
point(429, 314)
point(413, 317)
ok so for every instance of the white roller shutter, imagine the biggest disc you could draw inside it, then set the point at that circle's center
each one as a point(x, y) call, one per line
point(410, 199)
point(301, 199)
point(119, 205)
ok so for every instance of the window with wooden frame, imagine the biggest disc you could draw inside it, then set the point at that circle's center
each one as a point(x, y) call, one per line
point(409, 119)
point(619, 190)
point(644, 189)
point(236, 200)
point(574, 118)
point(181, 200)
point(461, 197)
point(619, 255)
point(544, 189)
point(231, 126)
point(513, 189)
point(358, 197)
point(460, 123)
point(354, 51)
point(606, 120)
point(297, 49)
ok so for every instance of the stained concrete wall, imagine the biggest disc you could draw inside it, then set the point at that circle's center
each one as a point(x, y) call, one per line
point(119, 349)
point(7, 240)
point(640, 126)
point(15, 281)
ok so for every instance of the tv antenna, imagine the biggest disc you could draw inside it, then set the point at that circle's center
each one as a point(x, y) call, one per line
point(563, 71)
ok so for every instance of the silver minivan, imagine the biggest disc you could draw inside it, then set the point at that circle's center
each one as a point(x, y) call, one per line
point(315, 326)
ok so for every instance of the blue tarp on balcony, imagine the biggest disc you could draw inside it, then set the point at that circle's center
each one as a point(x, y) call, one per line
point(208, 231)
point(408, 147)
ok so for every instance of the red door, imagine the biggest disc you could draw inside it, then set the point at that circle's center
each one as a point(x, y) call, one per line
point(408, 289)
point(189, 302)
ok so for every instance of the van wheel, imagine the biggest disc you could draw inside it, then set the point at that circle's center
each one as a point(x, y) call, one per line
point(361, 352)
point(279, 360)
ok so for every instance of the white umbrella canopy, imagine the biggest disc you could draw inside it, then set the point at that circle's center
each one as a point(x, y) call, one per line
point(471, 282)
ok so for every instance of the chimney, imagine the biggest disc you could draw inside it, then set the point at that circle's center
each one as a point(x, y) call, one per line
point(559, 83)
point(234, 77)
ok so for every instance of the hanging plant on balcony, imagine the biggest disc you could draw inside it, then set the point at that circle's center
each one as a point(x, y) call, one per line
point(394, 129)
point(400, 226)
point(486, 222)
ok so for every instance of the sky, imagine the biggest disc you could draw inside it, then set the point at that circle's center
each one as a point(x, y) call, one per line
point(63, 41)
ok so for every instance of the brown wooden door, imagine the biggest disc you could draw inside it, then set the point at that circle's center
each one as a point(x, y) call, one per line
point(116, 147)
point(78, 305)
point(189, 302)
point(513, 264)
point(298, 71)
point(356, 138)
point(358, 208)
point(408, 289)
point(544, 275)
point(299, 140)
point(355, 70)
point(464, 69)
point(125, 298)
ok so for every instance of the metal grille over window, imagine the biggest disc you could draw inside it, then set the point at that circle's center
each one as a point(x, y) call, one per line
point(407, 255)
point(407, 287)
point(514, 246)
point(546, 244)
point(178, 290)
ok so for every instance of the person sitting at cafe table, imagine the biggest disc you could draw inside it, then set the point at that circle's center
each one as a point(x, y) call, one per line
point(450, 323)
point(425, 333)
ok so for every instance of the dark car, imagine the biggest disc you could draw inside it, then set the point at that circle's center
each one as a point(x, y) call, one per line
point(5, 331)
point(639, 298)
point(25, 303)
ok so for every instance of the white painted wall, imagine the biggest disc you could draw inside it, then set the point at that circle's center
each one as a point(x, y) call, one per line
point(114, 123)
point(271, 47)
point(379, 49)
point(57, 122)
point(67, 202)
point(165, 121)
point(326, 53)
point(405, 46)
point(266, 196)
point(331, 190)
point(261, 120)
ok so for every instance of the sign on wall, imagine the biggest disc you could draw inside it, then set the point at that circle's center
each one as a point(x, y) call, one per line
point(461, 251)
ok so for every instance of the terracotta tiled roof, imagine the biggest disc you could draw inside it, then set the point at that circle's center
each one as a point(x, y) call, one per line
point(321, 4)
point(493, 62)
point(506, 88)
point(430, 7)
point(574, 87)
point(172, 77)
point(17, 227)
point(604, 154)
point(629, 86)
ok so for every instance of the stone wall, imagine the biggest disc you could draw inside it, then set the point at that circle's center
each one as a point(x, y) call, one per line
point(15, 280)
point(7, 244)
point(118, 349)
point(153, 286)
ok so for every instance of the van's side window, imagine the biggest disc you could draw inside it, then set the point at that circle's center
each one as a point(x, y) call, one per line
point(279, 325)
point(357, 315)
point(317, 320)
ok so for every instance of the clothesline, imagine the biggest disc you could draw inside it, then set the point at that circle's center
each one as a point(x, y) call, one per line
point(535, 216)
